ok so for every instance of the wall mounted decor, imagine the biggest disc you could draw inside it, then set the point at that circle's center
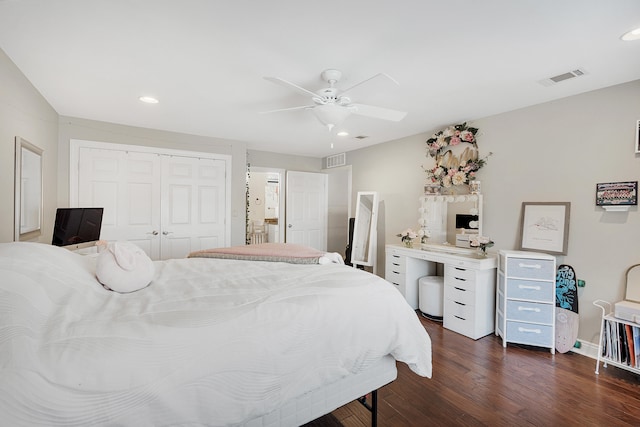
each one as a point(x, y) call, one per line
point(544, 227)
point(638, 136)
point(617, 196)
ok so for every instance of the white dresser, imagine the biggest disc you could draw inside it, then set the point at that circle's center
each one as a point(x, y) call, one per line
point(525, 298)
point(469, 285)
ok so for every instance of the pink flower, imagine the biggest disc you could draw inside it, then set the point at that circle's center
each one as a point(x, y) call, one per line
point(455, 140)
point(467, 136)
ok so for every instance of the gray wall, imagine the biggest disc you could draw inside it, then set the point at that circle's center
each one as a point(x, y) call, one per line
point(555, 151)
point(25, 113)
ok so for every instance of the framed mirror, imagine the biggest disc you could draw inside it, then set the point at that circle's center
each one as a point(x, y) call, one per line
point(365, 228)
point(28, 191)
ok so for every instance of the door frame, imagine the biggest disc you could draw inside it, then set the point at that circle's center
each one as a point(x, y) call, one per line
point(282, 182)
point(74, 168)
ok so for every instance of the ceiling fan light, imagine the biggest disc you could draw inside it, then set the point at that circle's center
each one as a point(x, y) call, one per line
point(331, 115)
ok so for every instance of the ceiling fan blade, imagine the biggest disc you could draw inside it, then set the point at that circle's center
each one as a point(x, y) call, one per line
point(377, 112)
point(290, 85)
point(302, 107)
point(371, 78)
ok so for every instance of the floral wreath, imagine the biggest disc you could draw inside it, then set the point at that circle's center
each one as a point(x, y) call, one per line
point(450, 170)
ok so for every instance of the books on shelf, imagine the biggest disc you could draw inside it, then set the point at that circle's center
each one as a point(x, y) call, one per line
point(621, 343)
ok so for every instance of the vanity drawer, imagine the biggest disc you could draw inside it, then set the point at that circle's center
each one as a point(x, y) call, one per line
point(460, 274)
point(396, 263)
point(459, 294)
point(530, 268)
point(530, 312)
point(529, 333)
point(531, 290)
point(459, 318)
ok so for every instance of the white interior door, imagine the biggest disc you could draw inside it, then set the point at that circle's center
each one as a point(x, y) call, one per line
point(306, 209)
point(193, 205)
point(169, 205)
point(127, 185)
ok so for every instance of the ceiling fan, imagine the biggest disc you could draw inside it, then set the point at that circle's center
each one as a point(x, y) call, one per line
point(331, 106)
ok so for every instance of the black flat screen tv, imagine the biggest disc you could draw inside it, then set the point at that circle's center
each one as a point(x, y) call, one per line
point(77, 228)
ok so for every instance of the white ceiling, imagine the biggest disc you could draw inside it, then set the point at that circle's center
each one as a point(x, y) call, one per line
point(455, 60)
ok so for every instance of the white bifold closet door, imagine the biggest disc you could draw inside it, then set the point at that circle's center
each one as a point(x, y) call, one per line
point(168, 205)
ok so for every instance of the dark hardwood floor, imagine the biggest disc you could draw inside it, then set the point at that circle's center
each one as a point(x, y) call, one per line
point(480, 383)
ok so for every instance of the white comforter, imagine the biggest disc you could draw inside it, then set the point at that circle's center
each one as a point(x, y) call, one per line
point(215, 342)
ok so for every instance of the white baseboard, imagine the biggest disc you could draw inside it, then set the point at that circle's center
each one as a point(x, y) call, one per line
point(586, 349)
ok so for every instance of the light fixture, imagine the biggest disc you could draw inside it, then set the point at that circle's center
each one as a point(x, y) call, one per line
point(331, 114)
point(343, 133)
point(148, 99)
point(631, 35)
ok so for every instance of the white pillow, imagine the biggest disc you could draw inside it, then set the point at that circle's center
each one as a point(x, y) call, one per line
point(124, 267)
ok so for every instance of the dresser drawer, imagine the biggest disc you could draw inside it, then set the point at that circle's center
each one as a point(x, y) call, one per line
point(459, 294)
point(528, 333)
point(530, 312)
point(530, 268)
point(531, 290)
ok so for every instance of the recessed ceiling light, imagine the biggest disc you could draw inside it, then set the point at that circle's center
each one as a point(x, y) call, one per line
point(631, 35)
point(148, 99)
point(343, 133)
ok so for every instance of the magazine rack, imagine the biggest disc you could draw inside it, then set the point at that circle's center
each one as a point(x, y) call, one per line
point(619, 343)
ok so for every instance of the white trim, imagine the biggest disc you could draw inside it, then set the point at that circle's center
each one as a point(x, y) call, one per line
point(74, 155)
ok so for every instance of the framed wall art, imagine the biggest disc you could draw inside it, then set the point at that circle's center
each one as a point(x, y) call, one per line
point(617, 194)
point(544, 227)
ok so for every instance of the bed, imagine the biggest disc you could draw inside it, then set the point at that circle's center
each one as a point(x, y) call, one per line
point(212, 342)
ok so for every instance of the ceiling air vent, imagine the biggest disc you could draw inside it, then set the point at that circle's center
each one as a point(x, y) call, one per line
point(336, 160)
point(562, 77)
point(361, 137)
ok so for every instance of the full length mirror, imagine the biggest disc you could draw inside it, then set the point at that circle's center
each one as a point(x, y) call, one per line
point(28, 191)
point(365, 228)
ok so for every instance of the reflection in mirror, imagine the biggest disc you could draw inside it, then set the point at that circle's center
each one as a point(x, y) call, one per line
point(450, 218)
point(28, 190)
point(364, 229)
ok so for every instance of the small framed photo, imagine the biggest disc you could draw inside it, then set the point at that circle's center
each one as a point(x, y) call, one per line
point(617, 193)
point(432, 189)
point(544, 227)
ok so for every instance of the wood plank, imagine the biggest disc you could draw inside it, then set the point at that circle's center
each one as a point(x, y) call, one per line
point(479, 383)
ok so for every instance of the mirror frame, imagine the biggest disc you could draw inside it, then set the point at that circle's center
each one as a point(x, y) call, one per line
point(365, 237)
point(23, 151)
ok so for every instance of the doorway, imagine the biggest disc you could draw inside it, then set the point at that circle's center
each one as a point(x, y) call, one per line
point(265, 205)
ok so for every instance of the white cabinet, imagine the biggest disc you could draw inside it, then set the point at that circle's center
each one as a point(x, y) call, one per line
point(404, 272)
point(469, 300)
point(618, 344)
point(469, 285)
point(525, 298)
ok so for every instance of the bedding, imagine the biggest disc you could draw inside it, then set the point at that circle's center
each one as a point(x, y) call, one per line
point(278, 252)
point(208, 342)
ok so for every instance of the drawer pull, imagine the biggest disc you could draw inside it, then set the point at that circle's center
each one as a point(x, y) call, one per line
point(523, 265)
point(531, 287)
point(458, 317)
point(459, 289)
point(461, 269)
point(533, 331)
point(461, 279)
point(520, 308)
point(396, 264)
point(396, 272)
point(460, 303)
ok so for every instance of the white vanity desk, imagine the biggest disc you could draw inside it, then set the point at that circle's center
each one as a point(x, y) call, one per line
point(469, 284)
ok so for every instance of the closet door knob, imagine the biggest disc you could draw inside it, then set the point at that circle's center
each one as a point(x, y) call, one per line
point(154, 232)
point(164, 233)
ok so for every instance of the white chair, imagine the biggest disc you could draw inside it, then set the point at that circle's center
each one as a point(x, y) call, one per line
point(258, 233)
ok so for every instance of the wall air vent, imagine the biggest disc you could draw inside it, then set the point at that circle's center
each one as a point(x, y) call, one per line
point(361, 137)
point(336, 160)
point(562, 77)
